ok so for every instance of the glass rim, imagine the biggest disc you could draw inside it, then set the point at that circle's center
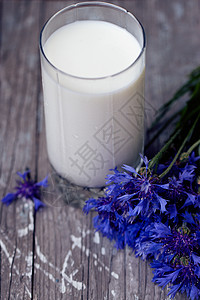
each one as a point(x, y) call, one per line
point(95, 3)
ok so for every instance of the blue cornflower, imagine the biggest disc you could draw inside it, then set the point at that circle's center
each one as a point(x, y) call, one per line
point(181, 194)
point(178, 261)
point(193, 159)
point(158, 217)
point(130, 198)
point(181, 278)
point(146, 245)
point(186, 162)
point(145, 198)
point(28, 189)
point(110, 220)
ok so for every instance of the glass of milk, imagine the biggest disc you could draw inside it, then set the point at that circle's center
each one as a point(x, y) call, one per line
point(93, 65)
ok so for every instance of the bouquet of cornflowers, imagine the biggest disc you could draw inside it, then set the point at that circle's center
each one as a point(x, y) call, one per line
point(156, 210)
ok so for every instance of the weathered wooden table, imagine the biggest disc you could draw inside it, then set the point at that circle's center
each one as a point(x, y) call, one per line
point(56, 253)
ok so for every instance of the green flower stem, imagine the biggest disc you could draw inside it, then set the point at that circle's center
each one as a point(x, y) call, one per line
point(193, 147)
point(162, 128)
point(157, 157)
point(180, 149)
point(185, 115)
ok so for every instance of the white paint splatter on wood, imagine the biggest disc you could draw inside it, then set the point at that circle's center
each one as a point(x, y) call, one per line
point(28, 292)
point(103, 251)
point(77, 243)
point(115, 275)
point(76, 284)
point(96, 238)
point(66, 279)
point(3, 247)
point(29, 261)
point(49, 275)
point(39, 253)
point(24, 231)
point(9, 257)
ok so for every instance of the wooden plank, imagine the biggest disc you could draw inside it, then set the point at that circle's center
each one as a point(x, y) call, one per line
point(83, 252)
point(59, 235)
point(170, 55)
point(19, 25)
point(107, 274)
point(166, 69)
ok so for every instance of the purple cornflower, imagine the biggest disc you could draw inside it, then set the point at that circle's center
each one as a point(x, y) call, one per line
point(112, 220)
point(158, 217)
point(193, 159)
point(177, 262)
point(181, 193)
point(28, 189)
point(144, 195)
point(129, 196)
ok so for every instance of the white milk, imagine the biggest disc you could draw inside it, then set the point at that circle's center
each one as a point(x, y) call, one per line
point(93, 124)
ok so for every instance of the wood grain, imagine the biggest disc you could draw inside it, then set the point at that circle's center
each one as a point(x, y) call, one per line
point(18, 146)
point(56, 254)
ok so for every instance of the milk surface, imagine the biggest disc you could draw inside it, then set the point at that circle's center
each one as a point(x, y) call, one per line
point(93, 125)
point(92, 49)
